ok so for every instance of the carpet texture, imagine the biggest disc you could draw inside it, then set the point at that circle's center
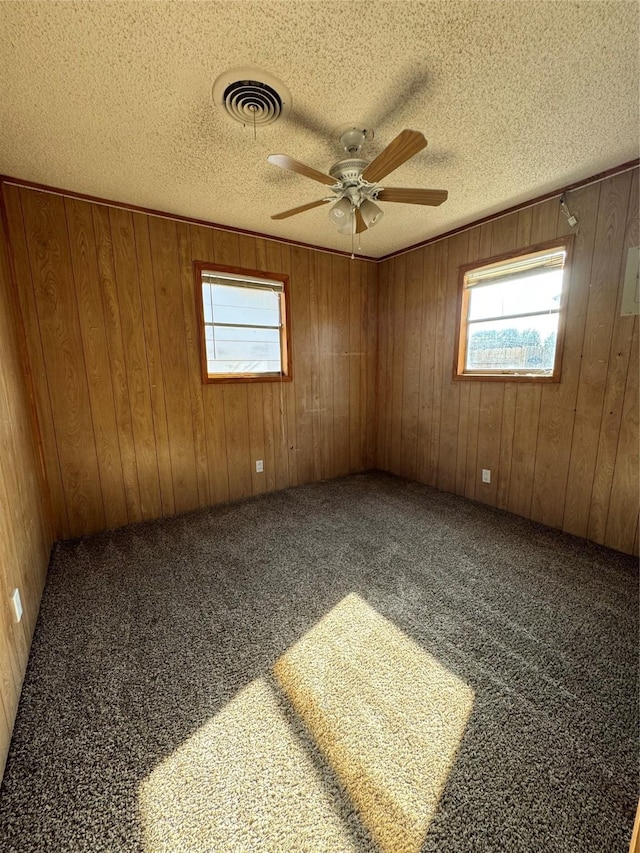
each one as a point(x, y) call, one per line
point(358, 665)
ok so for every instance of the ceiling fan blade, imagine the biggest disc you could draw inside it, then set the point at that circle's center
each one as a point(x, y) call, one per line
point(300, 209)
point(406, 195)
point(360, 223)
point(286, 162)
point(405, 145)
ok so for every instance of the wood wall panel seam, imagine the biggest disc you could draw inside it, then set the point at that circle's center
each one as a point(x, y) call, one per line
point(84, 360)
point(614, 400)
point(192, 343)
point(156, 376)
point(27, 526)
point(61, 514)
point(622, 516)
point(127, 284)
point(558, 404)
point(58, 320)
point(92, 324)
point(26, 366)
point(118, 360)
point(146, 357)
point(213, 398)
point(598, 332)
point(173, 358)
point(624, 339)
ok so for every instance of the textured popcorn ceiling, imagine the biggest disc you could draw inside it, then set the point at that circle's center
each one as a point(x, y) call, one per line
point(515, 98)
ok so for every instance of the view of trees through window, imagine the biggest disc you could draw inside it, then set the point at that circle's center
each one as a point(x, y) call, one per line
point(510, 349)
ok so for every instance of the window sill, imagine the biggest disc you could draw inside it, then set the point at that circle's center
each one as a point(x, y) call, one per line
point(249, 377)
point(504, 377)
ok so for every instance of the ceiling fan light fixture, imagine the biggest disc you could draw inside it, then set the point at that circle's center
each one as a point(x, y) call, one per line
point(371, 213)
point(340, 212)
point(348, 225)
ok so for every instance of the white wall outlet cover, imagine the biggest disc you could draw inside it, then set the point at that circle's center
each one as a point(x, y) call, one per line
point(17, 604)
point(259, 466)
point(486, 475)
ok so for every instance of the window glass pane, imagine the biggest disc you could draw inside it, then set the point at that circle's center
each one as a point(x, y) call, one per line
point(526, 343)
point(246, 316)
point(217, 367)
point(206, 303)
point(247, 350)
point(242, 281)
point(245, 305)
point(243, 297)
point(234, 333)
point(516, 296)
point(242, 326)
point(242, 344)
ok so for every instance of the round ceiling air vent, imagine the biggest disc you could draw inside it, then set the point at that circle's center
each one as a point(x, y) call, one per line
point(251, 96)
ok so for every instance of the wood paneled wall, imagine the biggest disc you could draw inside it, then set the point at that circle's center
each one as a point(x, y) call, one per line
point(563, 454)
point(25, 530)
point(129, 430)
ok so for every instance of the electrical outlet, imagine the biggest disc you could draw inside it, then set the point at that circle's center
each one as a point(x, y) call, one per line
point(17, 604)
point(259, 466)
point(486, 475)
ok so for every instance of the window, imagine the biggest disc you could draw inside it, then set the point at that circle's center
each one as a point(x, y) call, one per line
point(243, 324)
point(512, 316)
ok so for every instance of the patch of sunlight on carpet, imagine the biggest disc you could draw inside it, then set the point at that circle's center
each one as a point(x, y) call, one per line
point(242, 782)
point(388, 717)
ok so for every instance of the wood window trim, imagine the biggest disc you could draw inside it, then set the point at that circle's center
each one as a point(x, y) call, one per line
point(566, 242)
point(285, 337)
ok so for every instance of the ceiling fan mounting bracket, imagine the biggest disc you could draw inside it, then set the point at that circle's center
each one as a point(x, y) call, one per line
point(352, 140)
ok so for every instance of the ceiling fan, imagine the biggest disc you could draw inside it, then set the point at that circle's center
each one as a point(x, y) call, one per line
point(354, 181)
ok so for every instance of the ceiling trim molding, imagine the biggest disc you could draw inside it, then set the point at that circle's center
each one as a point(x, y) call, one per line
point(31, 185)
point(601, 176)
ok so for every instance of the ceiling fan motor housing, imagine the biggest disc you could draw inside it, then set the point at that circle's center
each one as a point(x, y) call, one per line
point(348, 170)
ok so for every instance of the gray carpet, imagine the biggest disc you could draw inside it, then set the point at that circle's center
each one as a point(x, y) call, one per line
point(165, 697)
